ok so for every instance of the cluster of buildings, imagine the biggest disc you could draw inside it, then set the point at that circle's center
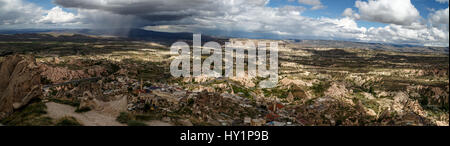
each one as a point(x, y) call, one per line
point(208, 107)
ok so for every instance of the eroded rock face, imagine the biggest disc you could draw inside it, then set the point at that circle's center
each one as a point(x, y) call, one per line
point(20, 82)
point(79, 70)
point(329, 111)
point(337, 90)
point(430, 96)
point(59, 74)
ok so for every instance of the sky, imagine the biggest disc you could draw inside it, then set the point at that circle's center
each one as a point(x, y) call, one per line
point(417, 22)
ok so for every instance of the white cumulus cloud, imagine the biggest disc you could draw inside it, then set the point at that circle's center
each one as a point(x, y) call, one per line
point(440, 18)
point(13, 12)
point(350, 13)
point(316, 4)
point(400, 12)
point(57, 15)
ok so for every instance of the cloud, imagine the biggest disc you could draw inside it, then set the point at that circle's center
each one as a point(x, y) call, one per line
point(316, 4)
point(57, 15)
point(400, 12)
point(238, 18)
point(282, 23)
point(162, 10)
point(404, 23)
point(350, 13)
point(13, 12)
point(22, 14)
point(420, 35)
point(440, 17)
point(442, 1)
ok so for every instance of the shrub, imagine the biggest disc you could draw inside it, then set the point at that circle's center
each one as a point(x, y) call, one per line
point(135, 123)
point(244, 91)
point(124, 118)
point(320, 88)
point(68, 121)
point(73, 103)
point(83, 110)
point(30, 115)
point(45, 81)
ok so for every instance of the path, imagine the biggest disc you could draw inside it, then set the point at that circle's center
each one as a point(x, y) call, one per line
point(91, 118)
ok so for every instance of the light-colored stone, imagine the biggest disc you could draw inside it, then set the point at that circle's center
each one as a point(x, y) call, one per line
point(371, 112)
point(90, 118)
point(368, 96)
point(337, 91)
point(19, 83)
point(185, 122)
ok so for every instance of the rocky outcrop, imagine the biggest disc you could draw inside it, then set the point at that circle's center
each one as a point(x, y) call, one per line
point(430, 95)
point(20, 82)
point(337, 90)
point(63, 74)
point(329, 111)
point(60, 74)
point(288, 82)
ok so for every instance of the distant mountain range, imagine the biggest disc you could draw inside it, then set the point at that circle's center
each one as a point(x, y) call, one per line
point(372, 46)
point(169, 38)
point(106, 34)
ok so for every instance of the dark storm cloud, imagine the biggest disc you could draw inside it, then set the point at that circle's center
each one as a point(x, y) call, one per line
point(152, 10)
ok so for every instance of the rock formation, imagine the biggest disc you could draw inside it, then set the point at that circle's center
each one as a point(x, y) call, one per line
point(19, 83)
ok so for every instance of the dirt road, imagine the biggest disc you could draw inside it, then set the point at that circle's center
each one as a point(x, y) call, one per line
point(91, 118)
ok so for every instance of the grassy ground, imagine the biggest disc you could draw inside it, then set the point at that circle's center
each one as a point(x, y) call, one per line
point(68, 121)
point(130, 120)
point(31, 115)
